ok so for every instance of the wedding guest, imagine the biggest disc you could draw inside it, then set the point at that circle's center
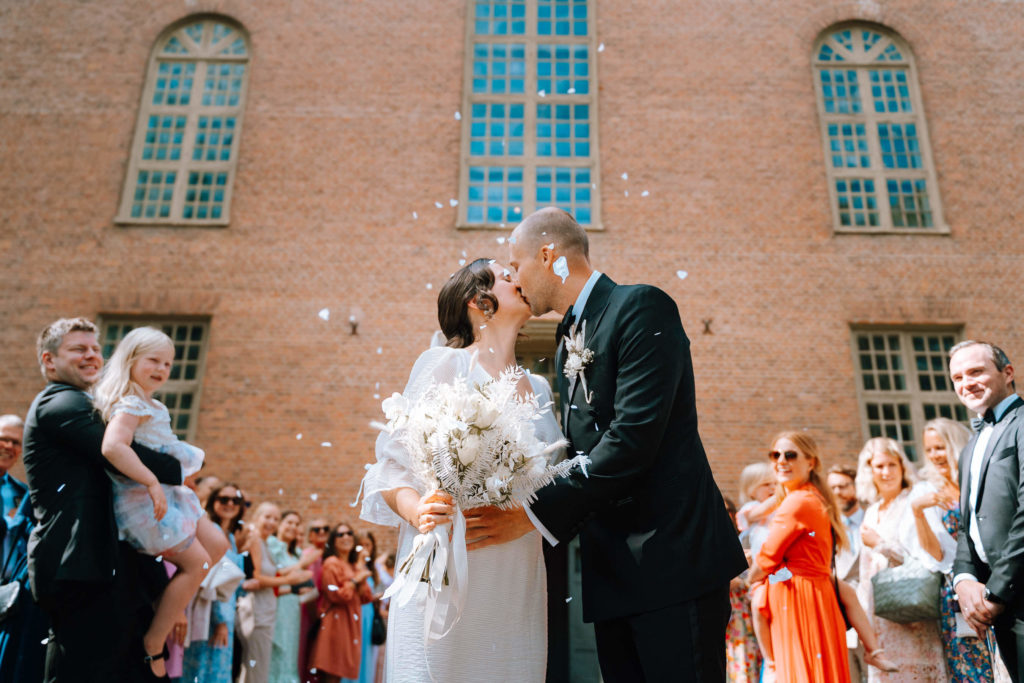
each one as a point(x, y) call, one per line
point(209, 660)
point(11, 490)
point(343, 588)
point(258, 644)
point(808, 640)
point(386, 571)
point(757, 484)
point(368, 655)
point(742, 653)
point(284, 551)
point(80, 574)
point(312, 554)
point(842, 480)
point(889, 534)
point(23, 631)
point(988, 558)
point(967, 658)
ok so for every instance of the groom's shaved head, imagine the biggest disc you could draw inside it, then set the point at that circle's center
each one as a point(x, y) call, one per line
point(552, 225)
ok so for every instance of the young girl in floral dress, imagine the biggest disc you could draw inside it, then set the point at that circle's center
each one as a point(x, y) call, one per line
point(156, 519)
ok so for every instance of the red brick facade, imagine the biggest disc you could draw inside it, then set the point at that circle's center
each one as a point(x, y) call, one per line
point(350, 128)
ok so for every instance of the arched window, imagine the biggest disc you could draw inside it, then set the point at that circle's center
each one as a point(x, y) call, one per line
point(186, 140)
point(529, 114)
point(880, 168)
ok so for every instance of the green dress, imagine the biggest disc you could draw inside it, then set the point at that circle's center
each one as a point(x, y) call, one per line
point(284, 657)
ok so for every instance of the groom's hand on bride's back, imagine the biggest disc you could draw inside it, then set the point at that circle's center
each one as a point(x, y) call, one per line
point(487, 526)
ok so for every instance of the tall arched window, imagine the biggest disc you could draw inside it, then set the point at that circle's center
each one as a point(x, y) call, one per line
point(880, 168)
point(186, 140)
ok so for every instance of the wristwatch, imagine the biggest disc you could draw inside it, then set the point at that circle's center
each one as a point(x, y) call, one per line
point(993, 598)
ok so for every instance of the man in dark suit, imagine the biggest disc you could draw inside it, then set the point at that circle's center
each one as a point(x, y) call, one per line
point(96, 590)
point(989, 566)
point(11, 490)
point(658, 547)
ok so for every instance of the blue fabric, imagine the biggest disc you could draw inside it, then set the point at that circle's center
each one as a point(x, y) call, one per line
point(284, 655)
point(209, 664)
point(22, 652)
point(367, 669)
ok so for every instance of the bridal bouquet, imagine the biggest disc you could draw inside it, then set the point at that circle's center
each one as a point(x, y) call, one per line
point(476, 443)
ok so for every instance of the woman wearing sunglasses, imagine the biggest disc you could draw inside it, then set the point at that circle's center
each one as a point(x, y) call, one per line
point(808, 635)
point(890, 537)
point(317, 533)
point(210, 659)
point(336, 652)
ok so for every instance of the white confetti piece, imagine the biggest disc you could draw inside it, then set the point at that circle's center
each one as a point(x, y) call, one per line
point(453, 202)
point(159, 558)
point(430, 286)
point(439, 205)
point(811, 534)
point(415, 216)
point(600, 48)
point(206, 565)
point(483, 326)
point(681, 274)
point(645, 193)
point(500, 240)
point(380, 350)
point(511, 240)
point(490, 349)
point(571, 91)
point(517, 210)
point(656, 334)
point(626, 193)
point(313, 497)
point(61, 488)
point(44, 641)
point(331, 587)
point(568, 600)
point(458, 116)
point(280, 492)
point(561, 268)
point(325, 313)
point(326, 444)
point(298, 437)
point(782, 575)
point(252, 663)
point(542, 93)
point(596, 428)
point(355, 616)
point(376, 395)
point(377, 385)
point(625, 176)
point(462, 261)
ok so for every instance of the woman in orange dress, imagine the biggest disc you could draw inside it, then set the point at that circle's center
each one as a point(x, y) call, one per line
point(808, 634)
point(343, 590)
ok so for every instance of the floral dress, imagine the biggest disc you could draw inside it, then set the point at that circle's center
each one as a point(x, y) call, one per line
point(743, 656)
point(967, 659)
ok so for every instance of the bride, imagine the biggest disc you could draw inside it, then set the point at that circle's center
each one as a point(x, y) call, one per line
point(502, 634)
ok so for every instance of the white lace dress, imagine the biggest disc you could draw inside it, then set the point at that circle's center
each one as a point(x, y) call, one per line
point(502, 635)
point(133, 508)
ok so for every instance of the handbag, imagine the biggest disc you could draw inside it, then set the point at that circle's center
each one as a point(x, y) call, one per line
point(378, 630)
point(907, 593)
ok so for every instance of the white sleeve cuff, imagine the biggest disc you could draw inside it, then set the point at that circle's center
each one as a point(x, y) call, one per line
point(540, 527)
point(960, 577)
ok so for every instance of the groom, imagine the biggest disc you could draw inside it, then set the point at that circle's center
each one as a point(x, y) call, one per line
point(658, 546)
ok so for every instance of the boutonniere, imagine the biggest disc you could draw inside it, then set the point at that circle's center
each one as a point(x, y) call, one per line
point(578, 357)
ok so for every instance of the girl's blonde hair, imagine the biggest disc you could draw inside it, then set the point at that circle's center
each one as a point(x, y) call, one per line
point(866, 489)
point(116, 381)
point(753, 476)
point(809, 447)
point(955, 436)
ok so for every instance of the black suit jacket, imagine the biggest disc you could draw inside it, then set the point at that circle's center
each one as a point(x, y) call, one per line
point(75, 537)
point(653, 526)
point(1000, 509)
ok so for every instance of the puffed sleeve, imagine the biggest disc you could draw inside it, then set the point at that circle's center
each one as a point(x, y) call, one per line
point(546, 428)
point(792, 518)
point(438, 365)
point(910, 539)
point(133, 405)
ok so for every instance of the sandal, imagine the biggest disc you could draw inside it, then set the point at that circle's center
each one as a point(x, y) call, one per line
point(877, 659)
point(155, 659)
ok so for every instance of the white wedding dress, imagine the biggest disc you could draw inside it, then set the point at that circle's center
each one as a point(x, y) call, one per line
point(502, 635)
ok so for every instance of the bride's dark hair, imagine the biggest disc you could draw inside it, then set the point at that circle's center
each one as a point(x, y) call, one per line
point(472, 282)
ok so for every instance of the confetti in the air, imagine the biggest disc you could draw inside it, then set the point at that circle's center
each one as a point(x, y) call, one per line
point(645, 193)
point(159, 558)
point(542, 93)
point(61, 488)
point(600, 48)
point(571, 91)
point(280, 492)
point(453, 202)
point(625, 176)
point(439, 205)
point(430, 286)
point(325, 313)
point(380, 350)
point(331, 587)
point(568, 600)
point(681, 274)
point(561, 268)
point(325, 444)
point(462, 261)
point(500, 240)
point(298, 437)
point(313, 497)
point(415, 215)
point(458, 116)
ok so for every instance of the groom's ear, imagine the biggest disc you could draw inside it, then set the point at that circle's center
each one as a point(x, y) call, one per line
point(547, 255)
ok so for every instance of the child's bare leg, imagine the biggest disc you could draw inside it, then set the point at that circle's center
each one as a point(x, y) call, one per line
point(180, 590)
point(857, 616)
point(212, 538)
point(762, 631)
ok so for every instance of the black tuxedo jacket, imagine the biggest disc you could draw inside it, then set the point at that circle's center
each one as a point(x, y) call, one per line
point(75, 537)
point(1000, 508)
point(653, 526)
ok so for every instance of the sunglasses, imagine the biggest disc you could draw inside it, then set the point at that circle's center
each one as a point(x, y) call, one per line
point(319, 529)
point(790, 456)
point(346, 533)
point(228, 500)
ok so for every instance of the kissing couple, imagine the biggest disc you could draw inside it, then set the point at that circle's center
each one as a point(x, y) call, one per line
point(658, 547)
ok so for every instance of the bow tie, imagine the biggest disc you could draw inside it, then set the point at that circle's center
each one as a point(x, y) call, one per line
point(565, 325)
point(978, 423)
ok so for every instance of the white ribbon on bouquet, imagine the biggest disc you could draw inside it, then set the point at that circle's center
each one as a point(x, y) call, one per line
point(442, 565)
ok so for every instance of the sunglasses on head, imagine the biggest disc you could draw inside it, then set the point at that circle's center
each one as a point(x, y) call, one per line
point(788, 455)
point(320, 529)
point(228, 500)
